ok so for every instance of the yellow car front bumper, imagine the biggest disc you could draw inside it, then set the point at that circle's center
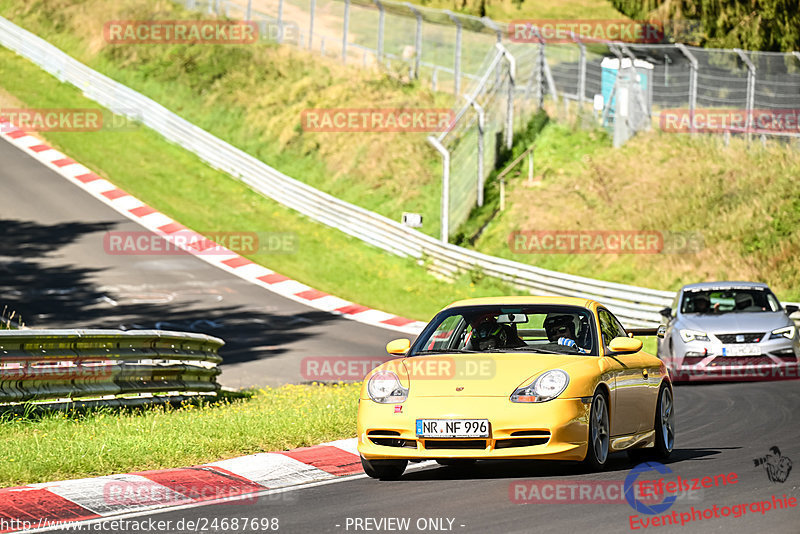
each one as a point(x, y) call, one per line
point(557, 429)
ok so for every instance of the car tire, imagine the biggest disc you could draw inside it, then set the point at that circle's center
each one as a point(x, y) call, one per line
point(384, 469)
point(599, 438)
point(457, 462)
point(664, 423)
point(664, 427)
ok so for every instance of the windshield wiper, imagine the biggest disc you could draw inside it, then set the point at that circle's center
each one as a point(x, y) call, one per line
point(524, 349)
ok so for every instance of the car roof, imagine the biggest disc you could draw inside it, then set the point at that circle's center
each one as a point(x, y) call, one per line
point(564, 301)
point(725, 285)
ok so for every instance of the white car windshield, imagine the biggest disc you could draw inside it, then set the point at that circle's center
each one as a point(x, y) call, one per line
point(733, 300)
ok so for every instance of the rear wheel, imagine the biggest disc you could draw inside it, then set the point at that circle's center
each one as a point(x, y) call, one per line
point(664, 426)
point(384, 469)
point(599, 433)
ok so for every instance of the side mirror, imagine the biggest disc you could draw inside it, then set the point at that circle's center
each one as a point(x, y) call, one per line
point(625, 345)
point(661, 332)
point(666, 312)
point(398, 346)
point(791, 308)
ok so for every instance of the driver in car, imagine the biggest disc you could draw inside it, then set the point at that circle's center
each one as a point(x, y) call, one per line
point(489, 334)
point(560, 329)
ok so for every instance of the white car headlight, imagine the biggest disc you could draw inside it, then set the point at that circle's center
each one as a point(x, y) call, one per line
point(786, 331)
point(385, 387)
point(546, 387)
point(693, 335)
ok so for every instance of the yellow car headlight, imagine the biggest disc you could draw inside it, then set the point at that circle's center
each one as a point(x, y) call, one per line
point(385, 387)
point(545, 387)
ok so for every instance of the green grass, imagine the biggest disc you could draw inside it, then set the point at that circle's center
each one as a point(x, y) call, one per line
point(177, 183)
point(253, 97)
point(64, 445)
point(740, 203)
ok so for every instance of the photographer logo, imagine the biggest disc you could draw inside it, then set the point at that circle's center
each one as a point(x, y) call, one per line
point(778, 467)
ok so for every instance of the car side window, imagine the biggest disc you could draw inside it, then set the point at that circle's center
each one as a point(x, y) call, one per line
point(609, 326)
point(446, 333)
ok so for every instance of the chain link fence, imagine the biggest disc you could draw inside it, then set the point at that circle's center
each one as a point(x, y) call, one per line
point(500, 80)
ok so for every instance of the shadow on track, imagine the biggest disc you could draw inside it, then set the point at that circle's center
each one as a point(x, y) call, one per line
point(499, 469)
point(49, 293)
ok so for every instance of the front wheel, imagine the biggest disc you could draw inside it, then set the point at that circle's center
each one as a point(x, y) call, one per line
point(384, 469)
point(599, 433)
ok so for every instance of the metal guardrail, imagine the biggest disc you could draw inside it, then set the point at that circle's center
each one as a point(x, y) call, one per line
point(635, 306)
point(38, 365)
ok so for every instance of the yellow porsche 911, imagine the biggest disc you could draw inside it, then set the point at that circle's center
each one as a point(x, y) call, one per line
point(515, 378)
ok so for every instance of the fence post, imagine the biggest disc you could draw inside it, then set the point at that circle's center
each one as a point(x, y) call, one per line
point(445, 205)
point(539, 70)
point(381, 19)
point(280, 22)
point(751, 86)
point(249, 11)
point(346, 24)
point(692, 83)
point(311, 25)
point(457, 59)
point(417, 38)
point(481, 123)
point(642, 104)
point(489, 23)
point(512, 73)
point(581, 72)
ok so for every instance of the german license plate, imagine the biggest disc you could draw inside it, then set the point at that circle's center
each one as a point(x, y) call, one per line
point(453, 428)
point(748, 349)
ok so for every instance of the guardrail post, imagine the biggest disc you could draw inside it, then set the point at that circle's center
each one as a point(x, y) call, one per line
point(311, 25)
point(381, 20)
point(445, 204)
point(481, 123)
point(512, 74)
point(280, 22)
point(457, 59)
point(692, 83)
point(346, 24)
point(751, 87)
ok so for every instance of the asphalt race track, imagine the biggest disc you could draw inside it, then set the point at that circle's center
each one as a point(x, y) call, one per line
point(55, 272)
point(721, 429)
